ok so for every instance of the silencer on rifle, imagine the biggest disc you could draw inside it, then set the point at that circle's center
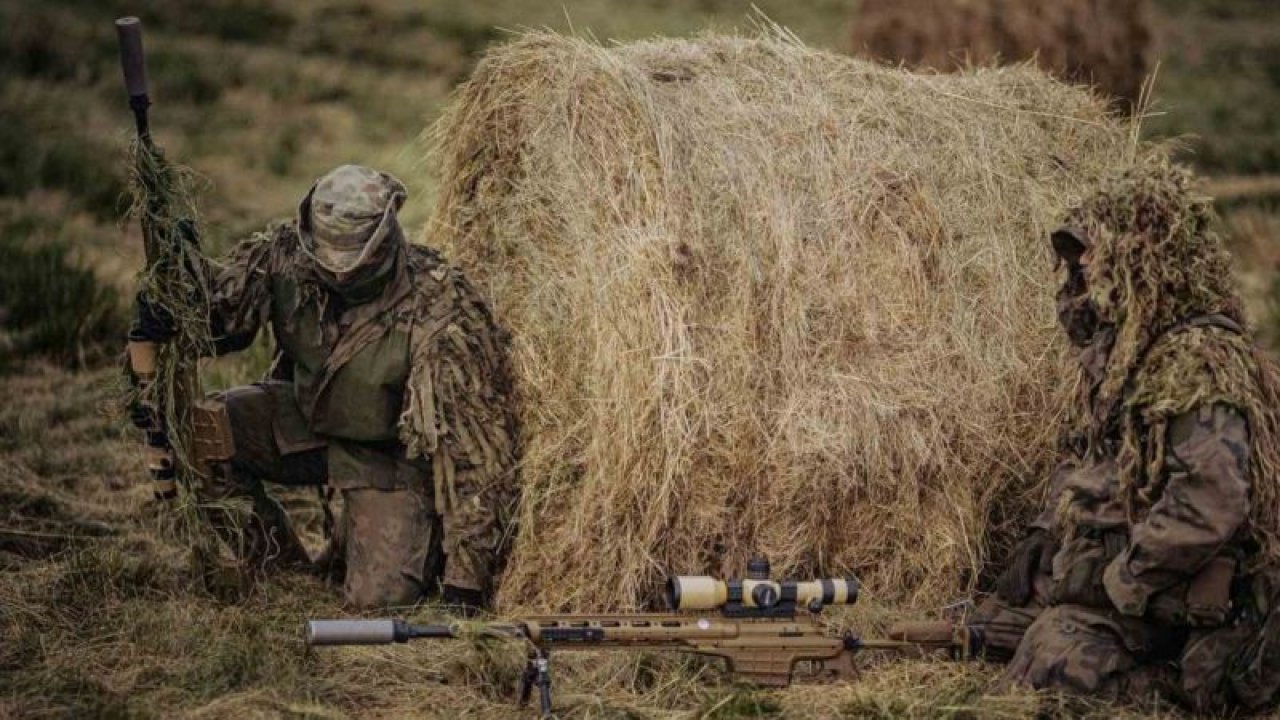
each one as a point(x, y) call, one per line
point(371, 632)
point(354, 632)
point(132, 60)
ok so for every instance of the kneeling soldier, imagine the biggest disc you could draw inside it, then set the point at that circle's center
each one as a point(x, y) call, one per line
point(1152, 569)
point(390, 384)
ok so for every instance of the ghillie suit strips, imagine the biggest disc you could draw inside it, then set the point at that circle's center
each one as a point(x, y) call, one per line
point(175, 283)
point(767, 299)
point(459, 409)
point(1155, 262)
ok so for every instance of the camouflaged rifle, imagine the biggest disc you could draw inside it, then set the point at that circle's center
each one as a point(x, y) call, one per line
point(163, 354)
point(763, 629)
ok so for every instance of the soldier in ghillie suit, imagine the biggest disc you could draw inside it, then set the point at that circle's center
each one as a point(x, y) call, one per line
point(1153, 568)
point(390, 384)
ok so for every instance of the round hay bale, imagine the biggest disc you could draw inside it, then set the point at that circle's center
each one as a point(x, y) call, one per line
point(765, 298)
point(1103, 43)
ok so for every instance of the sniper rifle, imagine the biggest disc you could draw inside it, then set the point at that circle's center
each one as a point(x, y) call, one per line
point(761, 628)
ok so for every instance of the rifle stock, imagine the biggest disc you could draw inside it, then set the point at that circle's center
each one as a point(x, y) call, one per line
point(762, 651)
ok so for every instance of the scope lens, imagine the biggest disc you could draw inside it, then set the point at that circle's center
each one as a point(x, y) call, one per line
point(672, 593)
point(695, 592)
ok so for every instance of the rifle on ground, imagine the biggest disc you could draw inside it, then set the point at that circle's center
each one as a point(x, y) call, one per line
point(761, 628)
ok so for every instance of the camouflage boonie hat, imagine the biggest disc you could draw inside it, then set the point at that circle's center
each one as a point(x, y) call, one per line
point(345, 212)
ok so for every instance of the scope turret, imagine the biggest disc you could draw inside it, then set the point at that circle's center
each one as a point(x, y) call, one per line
point(758, 568)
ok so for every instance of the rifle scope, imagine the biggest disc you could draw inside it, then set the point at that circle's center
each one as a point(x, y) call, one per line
point(757, 594)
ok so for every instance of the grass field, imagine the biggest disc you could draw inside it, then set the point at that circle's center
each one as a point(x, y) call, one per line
point(100, 612)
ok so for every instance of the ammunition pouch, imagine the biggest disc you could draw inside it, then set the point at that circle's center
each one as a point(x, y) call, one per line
point(211, 433)
point(1209, 596)
point(1202, 602)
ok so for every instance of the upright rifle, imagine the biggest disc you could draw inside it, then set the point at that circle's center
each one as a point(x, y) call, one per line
point(761, 628)
point(164, 355)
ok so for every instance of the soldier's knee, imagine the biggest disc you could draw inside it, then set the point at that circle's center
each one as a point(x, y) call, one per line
point(361, 593)
point(1003, 626)
point(387, 536)
point(249, 411)
point(248, 408)
point(1072, 649)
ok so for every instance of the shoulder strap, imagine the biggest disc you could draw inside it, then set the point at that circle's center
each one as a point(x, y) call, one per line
point(1217, 320)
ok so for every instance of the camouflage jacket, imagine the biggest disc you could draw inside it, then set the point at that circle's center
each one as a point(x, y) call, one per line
point(1154, 519)
point(407, 385)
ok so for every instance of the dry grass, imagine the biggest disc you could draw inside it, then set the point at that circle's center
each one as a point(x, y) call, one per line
point(102, 615)
point(1105, 43)
point(766, 298)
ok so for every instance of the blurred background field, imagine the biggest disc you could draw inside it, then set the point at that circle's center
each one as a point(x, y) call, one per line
point(261, 97)
point(96, 617)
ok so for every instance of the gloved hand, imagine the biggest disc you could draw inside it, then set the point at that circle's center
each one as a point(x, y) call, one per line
point(153, 322)
point(464, 601)
point(1016, 584)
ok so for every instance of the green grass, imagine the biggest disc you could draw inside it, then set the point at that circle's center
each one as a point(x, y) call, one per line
point(50, 306)
point(1219, 83)
point(43, 148)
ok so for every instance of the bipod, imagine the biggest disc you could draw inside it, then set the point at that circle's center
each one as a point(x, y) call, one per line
point(537, 672)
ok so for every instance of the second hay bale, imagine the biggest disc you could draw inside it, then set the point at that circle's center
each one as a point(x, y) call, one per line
point(766, 298)
point(1105, 43)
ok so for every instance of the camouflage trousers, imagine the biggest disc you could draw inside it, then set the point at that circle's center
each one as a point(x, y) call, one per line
point(388, 538)
point(1101, 653)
